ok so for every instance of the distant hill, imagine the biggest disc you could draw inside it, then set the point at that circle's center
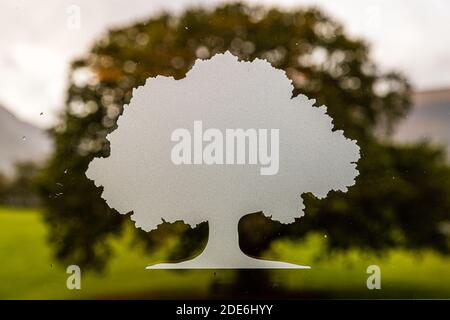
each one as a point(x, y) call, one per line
point(429, 118)
point(20, 141)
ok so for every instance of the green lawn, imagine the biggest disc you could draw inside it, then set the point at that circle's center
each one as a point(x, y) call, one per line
point(28, 270)
point(343, 275)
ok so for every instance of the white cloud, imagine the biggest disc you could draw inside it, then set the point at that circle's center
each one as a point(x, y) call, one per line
point(32, 82)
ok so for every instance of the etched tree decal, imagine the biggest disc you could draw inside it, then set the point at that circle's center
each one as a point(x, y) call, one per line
point(222, 93)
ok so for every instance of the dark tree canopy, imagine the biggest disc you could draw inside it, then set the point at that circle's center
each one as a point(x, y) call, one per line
point(401, 197)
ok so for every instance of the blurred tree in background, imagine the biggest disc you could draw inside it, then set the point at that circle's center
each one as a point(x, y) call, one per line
point(402, 196)
point(19, 190)
point(3, 187)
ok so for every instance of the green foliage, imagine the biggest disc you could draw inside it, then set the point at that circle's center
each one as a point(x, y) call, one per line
point(323, 63)
point(401, 199)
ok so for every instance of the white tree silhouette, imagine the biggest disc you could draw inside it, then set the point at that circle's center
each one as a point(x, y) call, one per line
point(223, 93)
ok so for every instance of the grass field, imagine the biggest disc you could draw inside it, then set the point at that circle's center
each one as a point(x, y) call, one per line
point(28, 270)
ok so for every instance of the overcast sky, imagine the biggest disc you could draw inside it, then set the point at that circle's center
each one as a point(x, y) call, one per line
point(36, 45)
